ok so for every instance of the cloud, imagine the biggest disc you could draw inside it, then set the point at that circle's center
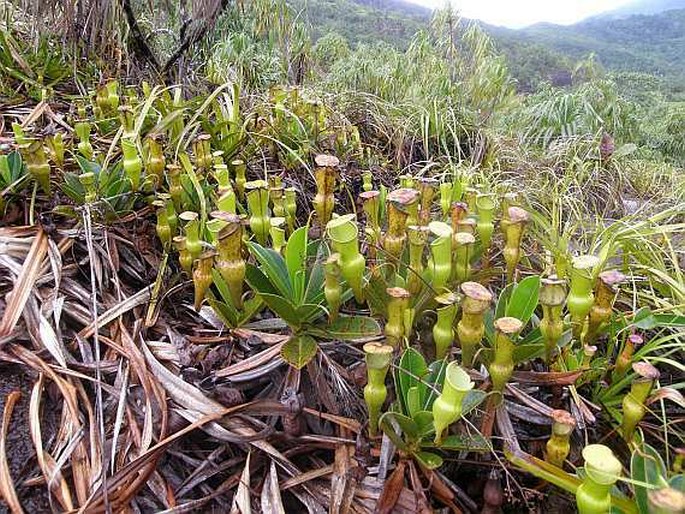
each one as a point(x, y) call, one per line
point(519, 13)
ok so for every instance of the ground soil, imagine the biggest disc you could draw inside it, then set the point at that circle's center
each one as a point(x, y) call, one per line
point(21, 454)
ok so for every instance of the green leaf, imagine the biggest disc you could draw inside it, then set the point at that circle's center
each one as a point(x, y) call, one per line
point(225, 311)
point(261, 285)
point(457, 190)
point(429, 460)
point(532, 337)
point(424, 420)
point(16, 164)
point(5, 173)
point(677, 482)
point(389, 429)
point(73, 188)
point(348, 328)
point(670, 320)
point(414, 402)
point(314, 292)
point(273, 266)
point(87, 166)
point(503, 301)
point(299, 350)
point(309, 313)
point(472, 400)
point(646, 466)
point(258, 281)
point(473, 443)
point(524, 299)
point(489, 324)
point(283, 309)
point(436, 375)
point(375, 294)
point(644, 319)
point(412, 369)
point(532, 346)
point(222, 287)
point(408, 426)
point(251, 306)
point(11, 168)
point(116, 187)
point(189, 169)
point(527, 352)
point(296, 260)
point(66, 210)
point(384, 194)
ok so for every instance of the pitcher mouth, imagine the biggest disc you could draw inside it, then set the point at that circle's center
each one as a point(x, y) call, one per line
point(447, 299)
point(485, 202)
point(403, 196)
point(585, 262)
point(601, 464)
point(508, 325)
point(458, 378)
point(440, 230)
point(464, 238)
point(342, 229)
point(476, 291)
point(369, 195)
point(256, 184)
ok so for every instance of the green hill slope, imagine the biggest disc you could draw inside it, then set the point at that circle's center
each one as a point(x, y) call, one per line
point(648, 43)
point(391, 21)
point(642, 7)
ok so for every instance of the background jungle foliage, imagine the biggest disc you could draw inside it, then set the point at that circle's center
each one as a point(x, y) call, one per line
point(445, 74)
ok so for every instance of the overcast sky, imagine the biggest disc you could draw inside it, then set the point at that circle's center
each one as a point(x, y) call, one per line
point(519, 13)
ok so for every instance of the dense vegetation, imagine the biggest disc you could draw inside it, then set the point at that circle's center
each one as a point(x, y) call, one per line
point(649, 43)
point(243, 269)
point(392, 22)
point(641, 7)
point(622, 41)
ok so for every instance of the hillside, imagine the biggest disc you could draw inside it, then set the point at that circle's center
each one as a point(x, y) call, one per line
point(652, 43)
point(396, 21)
point(649, 43)
point(367, 21)
point(642, 7)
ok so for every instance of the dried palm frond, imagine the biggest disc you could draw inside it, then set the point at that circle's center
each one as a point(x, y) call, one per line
point(24, 283)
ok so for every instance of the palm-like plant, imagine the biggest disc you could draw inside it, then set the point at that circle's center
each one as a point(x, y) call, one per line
point(292, 286)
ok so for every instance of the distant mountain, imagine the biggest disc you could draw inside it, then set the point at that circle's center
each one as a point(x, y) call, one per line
point(649, 43)
point(641, 7)
point(620, 39)
point(399, 5)
point(365, 21)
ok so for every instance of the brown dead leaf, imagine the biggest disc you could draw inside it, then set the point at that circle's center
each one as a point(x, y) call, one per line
point(343, 481)
point(543, 378)
point(667, 393)
point(24, 284)
point(391, 490)
point(241, 500)
point(110, 315)
point(40, 107)
point(257, 361)
point(271, 494)
point(51, 472)
point(529, 401)
point(131, 477)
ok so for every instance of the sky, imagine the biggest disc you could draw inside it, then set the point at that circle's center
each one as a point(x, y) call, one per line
point(520, 13)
